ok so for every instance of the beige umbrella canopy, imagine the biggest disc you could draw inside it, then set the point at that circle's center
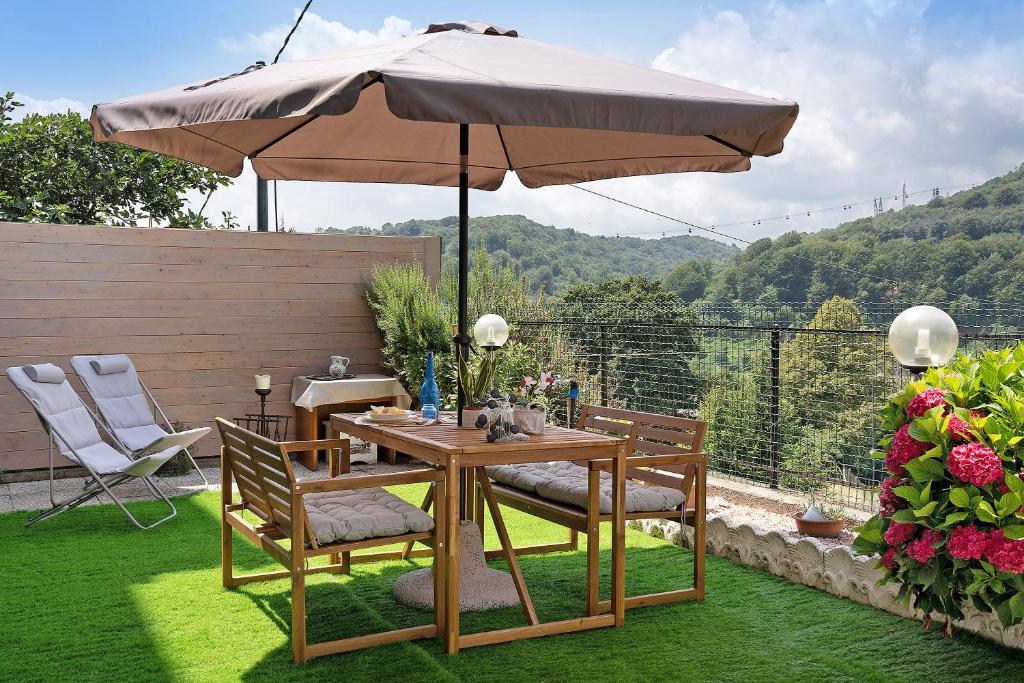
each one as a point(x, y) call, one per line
point(389, 113)
point(461, 104)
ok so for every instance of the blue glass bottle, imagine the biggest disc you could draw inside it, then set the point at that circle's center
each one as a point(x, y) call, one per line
point(430, 394)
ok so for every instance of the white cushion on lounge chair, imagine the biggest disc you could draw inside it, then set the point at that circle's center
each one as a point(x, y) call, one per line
point(74, 428)
point(119, 396)
point(136, 438)
point(566, 482)
point(106, 365)
point(44, 372)
point(339, 516)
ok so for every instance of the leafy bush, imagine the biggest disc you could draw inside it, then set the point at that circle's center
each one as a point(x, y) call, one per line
point(412, 322)
point(952, 522)
point(413, 318)
point(180, 463)
point(52, 171)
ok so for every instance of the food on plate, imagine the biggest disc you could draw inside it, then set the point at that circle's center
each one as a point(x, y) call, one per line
point(387, 410)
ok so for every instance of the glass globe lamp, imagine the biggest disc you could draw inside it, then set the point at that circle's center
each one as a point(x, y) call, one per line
point(923, 337)
point(491, 331)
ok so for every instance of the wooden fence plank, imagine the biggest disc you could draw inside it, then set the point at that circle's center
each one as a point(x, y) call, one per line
point(200, 312)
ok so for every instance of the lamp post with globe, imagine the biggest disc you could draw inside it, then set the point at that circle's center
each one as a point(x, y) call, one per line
point(923, 337)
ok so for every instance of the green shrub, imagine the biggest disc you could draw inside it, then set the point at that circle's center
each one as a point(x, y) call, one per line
point(951, 526)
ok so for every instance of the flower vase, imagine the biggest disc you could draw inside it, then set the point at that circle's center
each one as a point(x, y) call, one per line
point(430, 394)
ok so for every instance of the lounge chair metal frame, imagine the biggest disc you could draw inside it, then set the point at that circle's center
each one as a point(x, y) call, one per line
point(98, 483)
point(268, 489)
point(159, 410)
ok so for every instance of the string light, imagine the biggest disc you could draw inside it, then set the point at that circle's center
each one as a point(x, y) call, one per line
point(847, 206)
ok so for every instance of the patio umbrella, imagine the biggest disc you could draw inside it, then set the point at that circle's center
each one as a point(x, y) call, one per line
point(461, 104)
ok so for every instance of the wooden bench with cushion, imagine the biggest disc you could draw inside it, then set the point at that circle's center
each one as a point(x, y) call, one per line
point(667, 480)
point(334, 517)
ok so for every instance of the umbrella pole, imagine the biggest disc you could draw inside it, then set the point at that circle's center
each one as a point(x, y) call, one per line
point(462, 338)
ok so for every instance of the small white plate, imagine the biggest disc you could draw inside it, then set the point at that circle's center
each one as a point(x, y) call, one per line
point(389, 418)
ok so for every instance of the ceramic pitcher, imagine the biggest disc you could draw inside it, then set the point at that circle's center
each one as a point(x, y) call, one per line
point(339, 366)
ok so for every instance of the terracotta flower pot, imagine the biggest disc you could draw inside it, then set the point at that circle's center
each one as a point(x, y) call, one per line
point(829, 528)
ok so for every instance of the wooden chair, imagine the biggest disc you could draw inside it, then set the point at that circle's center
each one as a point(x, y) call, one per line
point(262, 471)
point(666, 452)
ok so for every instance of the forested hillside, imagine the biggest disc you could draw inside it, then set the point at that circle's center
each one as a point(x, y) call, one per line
point(552, 258)
point(970, 244)
point(966, 246)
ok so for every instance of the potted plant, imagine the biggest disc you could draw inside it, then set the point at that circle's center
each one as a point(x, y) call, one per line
point(819, 520)
point(475, 384)
point(531, 411)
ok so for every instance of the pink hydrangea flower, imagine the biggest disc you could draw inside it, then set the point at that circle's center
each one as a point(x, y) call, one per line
point(958, 429)
point(904, 449)
point(923, 549)
point(975, 463)
point(899, 533)
point(888, 501)
point(967, 542)
point(889, 559)
point(925, 401)
point(1005, 554)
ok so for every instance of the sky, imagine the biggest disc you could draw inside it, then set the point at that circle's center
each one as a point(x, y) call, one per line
point(890, 92)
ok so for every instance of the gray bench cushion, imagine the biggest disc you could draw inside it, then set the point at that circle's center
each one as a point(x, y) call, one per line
point(566, 482)
point(339, 516)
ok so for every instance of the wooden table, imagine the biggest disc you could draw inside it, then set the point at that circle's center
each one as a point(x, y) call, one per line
point(454, 449)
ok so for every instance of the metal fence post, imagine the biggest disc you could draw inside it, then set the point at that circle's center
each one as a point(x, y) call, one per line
point(775, 431)
point(604, 365)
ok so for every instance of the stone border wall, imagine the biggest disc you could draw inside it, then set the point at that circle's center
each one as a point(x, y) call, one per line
point(809, 562)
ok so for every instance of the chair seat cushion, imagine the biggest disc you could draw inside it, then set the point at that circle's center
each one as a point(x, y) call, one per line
point(340, 516)
point(135, 438)
point(566, 482)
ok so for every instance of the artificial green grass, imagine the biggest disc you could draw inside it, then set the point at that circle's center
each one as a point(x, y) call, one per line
point(85, 596)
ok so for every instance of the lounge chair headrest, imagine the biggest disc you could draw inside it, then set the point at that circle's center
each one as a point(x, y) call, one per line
point(47, 373)
point(108, 365)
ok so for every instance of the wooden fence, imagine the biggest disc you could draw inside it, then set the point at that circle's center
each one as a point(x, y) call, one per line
point(199, 311)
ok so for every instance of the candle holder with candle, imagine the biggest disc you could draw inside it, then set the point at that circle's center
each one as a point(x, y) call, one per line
point(263, 390)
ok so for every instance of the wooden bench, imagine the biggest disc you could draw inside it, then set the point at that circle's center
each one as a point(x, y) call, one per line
point(269, 492)
point(666, 451)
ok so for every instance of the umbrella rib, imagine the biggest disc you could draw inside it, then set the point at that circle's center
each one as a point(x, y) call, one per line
point(593, 161)
point(375, 79)
point(387, 161)
point(209, 139)
point(284, 135)
point(504, 147)
point(731, 146)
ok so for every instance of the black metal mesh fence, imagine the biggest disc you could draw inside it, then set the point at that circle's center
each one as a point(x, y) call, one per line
point(790, 393)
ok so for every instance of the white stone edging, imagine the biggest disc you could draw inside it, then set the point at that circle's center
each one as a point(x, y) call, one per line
point(810, 562)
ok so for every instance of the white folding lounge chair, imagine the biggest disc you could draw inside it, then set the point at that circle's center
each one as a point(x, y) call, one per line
point(121, 398)
point(72, 427)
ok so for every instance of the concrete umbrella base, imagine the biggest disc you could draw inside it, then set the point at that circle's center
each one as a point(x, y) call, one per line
point(480, 587)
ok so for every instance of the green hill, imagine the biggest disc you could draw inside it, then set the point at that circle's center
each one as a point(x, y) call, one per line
point(555, 258)
point(967, 246)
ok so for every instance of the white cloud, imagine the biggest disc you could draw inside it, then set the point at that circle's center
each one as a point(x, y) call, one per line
point(884, 100)
point(58, 105)
point(316, 36)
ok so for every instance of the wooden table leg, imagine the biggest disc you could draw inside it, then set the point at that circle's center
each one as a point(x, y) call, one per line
point(452, 517)
point(506, 545)
point(306, 429)
point(619, 538)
